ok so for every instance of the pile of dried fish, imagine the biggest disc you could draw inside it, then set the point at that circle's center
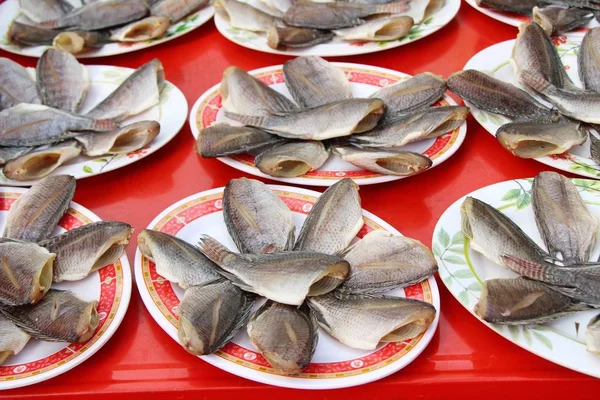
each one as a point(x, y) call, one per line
point(539, 130)
point(292, 138)
point(32, 260)
point(555, 16)
point(303, 23)
point(553, 283)
point(320, 278)
point(41, 125)
point(78, 25)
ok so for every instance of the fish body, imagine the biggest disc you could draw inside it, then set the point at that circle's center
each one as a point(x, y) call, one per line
point(75, 42)
point(382, 261)
point(61, 81)
point(334, 220)
point(176, 10)
point(286, 336)
point(176, 260)
point(44, 10)
point(30, 35)
point(594, 148)
point(35, 214)
point(292, 159)
point(341, 118)
point(210, 315)
point(397, 162)
point(515, 6)
point(41, 161)
point(243, 16)
point(286, 278)
point(555, 20)
point(222, 139)
point(12, 339)
point(25, 273)
point(380, 29)
point(592, 335)
point(59, 317)
point(588, 60)
point(362, 322)
point(314, 82)
point(86, 249)
point(563, 220)
point(124, 140)
point(10, 153)
point(140, 91)
point(294, 37)
point(256, 218)
point(16, 86)
point(139, 31)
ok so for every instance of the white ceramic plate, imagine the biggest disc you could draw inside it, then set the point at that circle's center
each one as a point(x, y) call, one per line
point(110, 286)
point(462, 271)
point(494, 61)
point(517, 19)
point(364, 80)
point(338, 47)
point(171, 113)
point(334, 365)
point(9, 10)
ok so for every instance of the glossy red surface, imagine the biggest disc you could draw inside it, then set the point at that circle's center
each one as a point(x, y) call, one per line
point(465, 359)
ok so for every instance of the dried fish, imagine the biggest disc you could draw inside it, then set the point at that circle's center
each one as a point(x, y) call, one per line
point(555, 20)
point(399, 163)
point(412, 94)
point(12, 339)
point(176, 10)
point(223, 139)
point(516, 6)
point(76, 42)
point(10, 153)
point(124, 140)
point(244, 16)
point(281, 36)
point(44, 10)
point(292, 159)
point(380, 29)
point(588, 60)
point(592, 335)
point(41, 161)
point(142, 30)
point(16, 86)
point(30, 35)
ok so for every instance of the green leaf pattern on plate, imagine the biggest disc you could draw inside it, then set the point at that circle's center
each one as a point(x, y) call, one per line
point(519, 197)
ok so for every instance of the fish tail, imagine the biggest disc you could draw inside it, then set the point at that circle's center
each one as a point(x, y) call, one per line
point(537, 82)
point(252, 120)
point(528, 268)
point(212, 249)
point(396, 7)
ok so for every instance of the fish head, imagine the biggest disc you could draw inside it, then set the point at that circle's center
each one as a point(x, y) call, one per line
point(88, 322)
point(190, 339)
point(145, 237)
point(43, 280)
point(466, 214)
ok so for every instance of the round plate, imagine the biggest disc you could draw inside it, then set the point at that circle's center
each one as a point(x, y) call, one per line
point(171, 113)
point(462, 271)
point(517, 19)
point(494, 61)
point(364, 80)
point(338, 47)
point(9, 10)
point(111, 286)
point(334, 364)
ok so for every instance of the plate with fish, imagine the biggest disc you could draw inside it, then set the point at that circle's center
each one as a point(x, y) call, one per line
point(88, 30)
point(282, 27)
point(92, 119)
point(559, 18)
point(511, 229)
point(522, 120)
point(404, 136)
point(289, 332)
point(73, 281)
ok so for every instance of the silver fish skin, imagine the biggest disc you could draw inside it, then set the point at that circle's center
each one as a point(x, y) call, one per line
point(34, 124)
point(76, 42)
point(138, 31)
point(515, 6)
point(532, 139)
point(59, 317)
point(243, 16)
point(140, 91)
point(10, 153)
point(244, 94)
point(86, 249)
point(563, 220)
point(362, 322)
point(396, 162)
point(577, 104)
point(292, 159)
point(12, 339)
point(493, 95)
point(555, 20)
point(334, 220)
point(210, 315)
point(494, 235)
point(294, 37)
point(44, 10)
point(592, 335)
point(100, 15)
point(41, 161)
point(594, 148)
point(338, 119)
point(176, 10)
point(535, 53)
point(256, 218)
point(222, 139)
point(418, 92)
point(286, 278)
point(419, 125)
point(379, 29)
point(26, 273)
point(35, 214)
point(61, 81)
point(30, 35)
point(286, 336)
point(314, 82)
point(337, 15)
point(588, 60)
point(16, 86)
point(519, 301)
point(124, 140)
point(381, 261)
point(176, 260)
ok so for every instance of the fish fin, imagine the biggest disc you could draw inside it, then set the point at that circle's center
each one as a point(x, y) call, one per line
point(538, 83)
point(538, 271)
point(242, 318)
point(251, 120)
point(105, 125)
point(395, 7)
point(212, 249)
point(50, 24)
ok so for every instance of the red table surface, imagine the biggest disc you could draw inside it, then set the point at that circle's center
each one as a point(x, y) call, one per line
point(465, 359)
